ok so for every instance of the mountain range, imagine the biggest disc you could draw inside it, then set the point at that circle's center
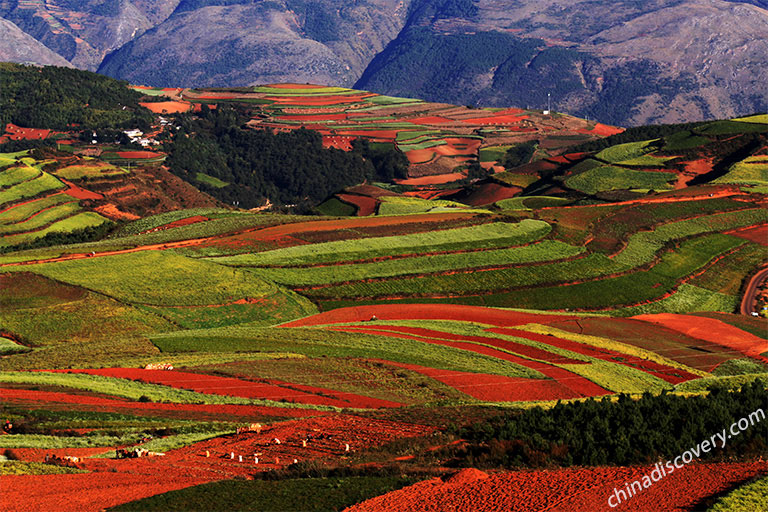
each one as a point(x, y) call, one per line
point(623, 62)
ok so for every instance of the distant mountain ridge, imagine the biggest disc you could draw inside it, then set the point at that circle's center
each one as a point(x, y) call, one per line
point(623, 62)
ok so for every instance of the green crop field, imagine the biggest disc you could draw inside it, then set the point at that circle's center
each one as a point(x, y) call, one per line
point(684, 140)
point(748, 497)
point(752, 170)
point(610, 177)
point(642, 246)
point(484, 236)
point(23, 211)
point(591, 266)
point(622, 152)
point(547, 250)
point(43, 183)
point(649, 161)
point(42, 219)
point(11, 158)
point(321, 343)
point(397, 205)
point(15, 175)
point(158, 278)
point(77, 172)
point(66, 225)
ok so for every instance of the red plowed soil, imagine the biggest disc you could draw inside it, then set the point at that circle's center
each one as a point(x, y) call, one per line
point(712, 330)
point(574, 382)
point(432, 180)
point(490, 193)
point(490, 316)
point(167, 107)
point(566, 490)
point(365, 205)
point(757, 234)
point(85, 402)
point(138, 155)
point(264, 389)
point(667, 373)
point(80, 193)
point(431, 120)
point(495, 388)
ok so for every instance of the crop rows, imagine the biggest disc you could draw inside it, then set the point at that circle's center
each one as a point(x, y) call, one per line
point(547, 250)
point(31, 188)
point(592, 266)
point(643, 246)
point(24, 211)
point(16, 175)
point(321, 343)
point(159, 278)
point(42, 219)
point(485, 236)
point(67, 225)
point(626, 289)
point(621, 152)
point(616, 178)
point(76, 172)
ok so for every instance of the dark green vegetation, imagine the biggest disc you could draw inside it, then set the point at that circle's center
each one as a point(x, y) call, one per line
point(56, 98)
point(623, 432)
point(299, 495)
point(287, 168)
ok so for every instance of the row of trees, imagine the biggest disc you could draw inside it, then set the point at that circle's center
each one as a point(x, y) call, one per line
point(598, 432)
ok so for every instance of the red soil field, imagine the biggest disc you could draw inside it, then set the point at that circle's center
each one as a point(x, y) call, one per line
point(115, 481)
point(14, 132)
point(420, 156)
point(603, 130)
point(87, 402)
point(262, 389)
point(517, 348)
point(78, 192)
point(712, 330)
point(167, 107)
point(365, 205)
point(319, 100)
point(91, 492)
point(496, 119)
point(478, 314)
point(698, 354)
point(313, 117)
point(495, 388)
point(570, 489)
point(333, 141)
point(113, 212)
point(757, 234)
point(667, 373)
point(329, 225)
point(574, 382)
point(431, 120)
point(488, 193)
point(138, 155)
point(432, 180)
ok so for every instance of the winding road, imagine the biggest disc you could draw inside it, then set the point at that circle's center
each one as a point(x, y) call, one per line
point(748, 301)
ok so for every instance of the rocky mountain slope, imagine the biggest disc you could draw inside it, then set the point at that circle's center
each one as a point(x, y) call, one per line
point(623, 62)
